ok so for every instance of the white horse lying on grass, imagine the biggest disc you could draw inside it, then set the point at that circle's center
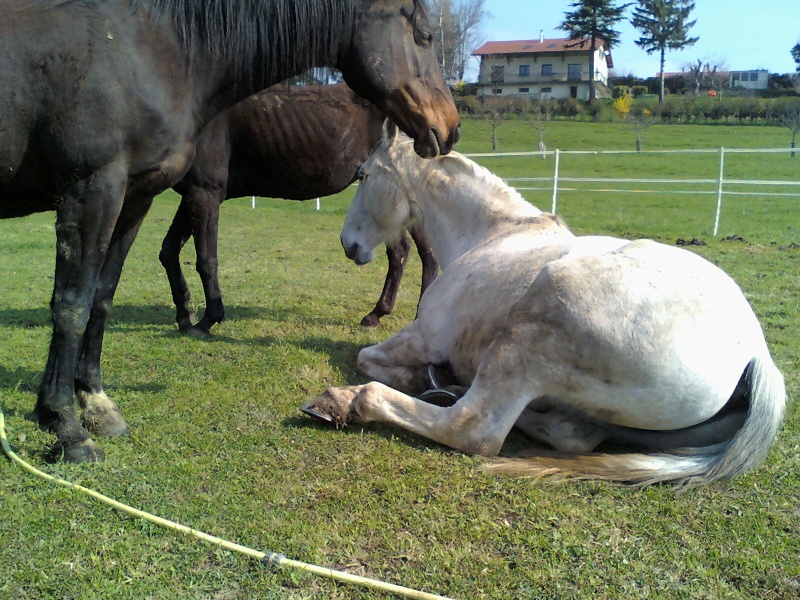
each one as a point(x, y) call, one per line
point(575, 340)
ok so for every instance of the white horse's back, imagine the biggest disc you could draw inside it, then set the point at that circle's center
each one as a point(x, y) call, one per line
point(643, 325)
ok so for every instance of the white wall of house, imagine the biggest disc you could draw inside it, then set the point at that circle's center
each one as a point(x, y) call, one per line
point(540, 75)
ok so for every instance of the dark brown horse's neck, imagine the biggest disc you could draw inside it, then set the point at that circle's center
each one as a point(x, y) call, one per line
point(215, 94)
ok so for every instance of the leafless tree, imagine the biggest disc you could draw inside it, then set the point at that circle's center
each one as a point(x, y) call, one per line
point(704, 75)
point(639, 120)
point(790, 117)
point(539, 117)
point(495, 111)
point(459, 24)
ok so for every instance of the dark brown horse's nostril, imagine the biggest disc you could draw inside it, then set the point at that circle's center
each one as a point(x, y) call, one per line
point(455, 136)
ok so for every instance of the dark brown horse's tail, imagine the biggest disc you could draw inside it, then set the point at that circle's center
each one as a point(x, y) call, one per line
point(687, 467)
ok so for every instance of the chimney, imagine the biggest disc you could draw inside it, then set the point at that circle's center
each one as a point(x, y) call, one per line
point(541, 36)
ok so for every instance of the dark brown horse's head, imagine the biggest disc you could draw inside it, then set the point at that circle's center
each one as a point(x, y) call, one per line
point(391, 60)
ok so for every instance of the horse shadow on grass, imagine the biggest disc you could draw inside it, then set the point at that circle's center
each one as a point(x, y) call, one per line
point(122, 316)
point(147, 316)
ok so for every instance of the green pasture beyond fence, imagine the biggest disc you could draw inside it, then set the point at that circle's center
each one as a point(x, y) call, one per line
point(685, 184)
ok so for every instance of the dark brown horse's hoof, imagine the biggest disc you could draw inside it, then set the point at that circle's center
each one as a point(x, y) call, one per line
point(371, 320)
point(198, 333)
point(185, 324)
point(76, 452)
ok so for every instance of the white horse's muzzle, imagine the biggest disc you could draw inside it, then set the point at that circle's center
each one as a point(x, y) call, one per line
point(356, 252)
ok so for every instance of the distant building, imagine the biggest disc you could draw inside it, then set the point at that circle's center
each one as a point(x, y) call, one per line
point(543, 68)
point(749, 80)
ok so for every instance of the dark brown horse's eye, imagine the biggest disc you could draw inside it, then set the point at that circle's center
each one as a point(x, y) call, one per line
point(424, 37)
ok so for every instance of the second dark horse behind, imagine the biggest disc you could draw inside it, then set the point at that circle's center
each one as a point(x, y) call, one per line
point(295, 143)
point(101, 103)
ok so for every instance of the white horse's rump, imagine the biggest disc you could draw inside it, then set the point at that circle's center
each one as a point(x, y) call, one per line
point(575, 340)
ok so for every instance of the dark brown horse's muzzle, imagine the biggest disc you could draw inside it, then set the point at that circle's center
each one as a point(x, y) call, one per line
point(430, 118)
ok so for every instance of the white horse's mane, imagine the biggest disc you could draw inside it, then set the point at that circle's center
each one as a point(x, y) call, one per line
point(491, 185)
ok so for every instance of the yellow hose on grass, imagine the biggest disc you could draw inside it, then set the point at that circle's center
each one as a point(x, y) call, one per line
point(268, 558)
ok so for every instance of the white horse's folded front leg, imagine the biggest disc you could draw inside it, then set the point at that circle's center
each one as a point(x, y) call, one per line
point(462, 426)
point(452, 426)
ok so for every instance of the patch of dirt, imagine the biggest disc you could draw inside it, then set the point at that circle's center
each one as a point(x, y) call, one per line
point(734, 238)
point(691, 242)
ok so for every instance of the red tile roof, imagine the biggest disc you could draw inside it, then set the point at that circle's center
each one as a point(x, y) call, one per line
point(536, 46)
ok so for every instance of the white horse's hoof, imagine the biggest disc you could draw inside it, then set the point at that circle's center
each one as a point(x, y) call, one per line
point(334, 406)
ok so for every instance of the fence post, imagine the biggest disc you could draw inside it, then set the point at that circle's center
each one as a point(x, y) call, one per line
point(719, 190)
point(555, 184)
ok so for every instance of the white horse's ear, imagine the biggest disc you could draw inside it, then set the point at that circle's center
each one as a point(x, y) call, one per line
point(390, 131)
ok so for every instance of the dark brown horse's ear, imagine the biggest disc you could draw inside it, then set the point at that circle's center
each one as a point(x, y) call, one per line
point(390, 131)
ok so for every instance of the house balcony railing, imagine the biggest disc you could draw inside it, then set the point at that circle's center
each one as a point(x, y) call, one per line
point(536, 79)
point(509, 79)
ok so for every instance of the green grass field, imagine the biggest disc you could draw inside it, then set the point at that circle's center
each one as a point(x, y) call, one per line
point(217, 441)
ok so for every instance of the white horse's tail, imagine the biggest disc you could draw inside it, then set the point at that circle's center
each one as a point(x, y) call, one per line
point(687, 467)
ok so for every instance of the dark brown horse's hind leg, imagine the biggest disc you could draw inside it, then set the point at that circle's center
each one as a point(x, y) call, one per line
point(83, 232)
point(101, 415)
point(204, 209)
point(397, 253)
point(170, 256)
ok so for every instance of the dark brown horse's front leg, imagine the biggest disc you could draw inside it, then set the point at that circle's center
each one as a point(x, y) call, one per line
point(170, 256)
point(430, 268)
point(101, 415)
point(84, 222)
point(397, 253)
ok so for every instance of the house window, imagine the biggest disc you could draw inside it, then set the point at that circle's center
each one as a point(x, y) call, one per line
point(547, 70)
point(497, 91)
point(736, 76)
point(546, 90)
point(745, 76)
point(498, 73)
point(573, 91)
point(524, 70)
point(754, 76)
point(523, 90)
point(574, 72)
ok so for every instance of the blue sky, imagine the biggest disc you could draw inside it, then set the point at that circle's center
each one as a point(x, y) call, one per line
point(735, 34)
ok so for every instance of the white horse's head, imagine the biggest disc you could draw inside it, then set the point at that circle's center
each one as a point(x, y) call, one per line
point(383, 207)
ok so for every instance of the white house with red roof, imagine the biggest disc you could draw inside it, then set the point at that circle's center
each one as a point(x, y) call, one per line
point(543, 68)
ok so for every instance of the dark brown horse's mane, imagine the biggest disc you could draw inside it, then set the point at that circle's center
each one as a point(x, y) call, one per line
point(261, 35)
point(257, 37)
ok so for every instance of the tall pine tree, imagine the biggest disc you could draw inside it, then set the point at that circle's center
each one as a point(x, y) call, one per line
point(796, 55)
point(663, 25)
point(595, 20)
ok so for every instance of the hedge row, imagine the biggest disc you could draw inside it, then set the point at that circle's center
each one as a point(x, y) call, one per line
point(740, 110)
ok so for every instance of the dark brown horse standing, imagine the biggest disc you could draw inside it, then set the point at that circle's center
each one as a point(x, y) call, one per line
point(101, 102)
point(295, 143)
